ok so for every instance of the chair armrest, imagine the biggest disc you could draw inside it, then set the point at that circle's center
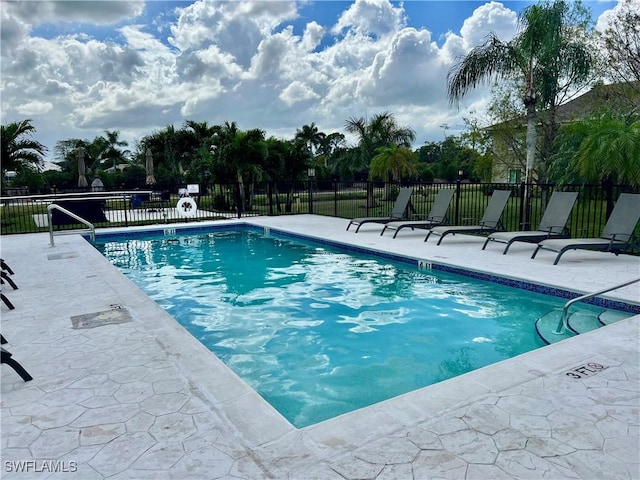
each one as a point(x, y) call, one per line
point(614, 237)
point(561, 229)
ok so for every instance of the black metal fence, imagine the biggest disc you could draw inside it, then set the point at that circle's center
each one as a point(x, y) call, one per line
point(28, 213)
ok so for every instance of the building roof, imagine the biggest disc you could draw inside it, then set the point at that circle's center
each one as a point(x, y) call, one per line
point(617, 95)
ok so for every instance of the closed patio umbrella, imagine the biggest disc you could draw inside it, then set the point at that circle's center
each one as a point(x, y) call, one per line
point(149, 167)
point(82, 169)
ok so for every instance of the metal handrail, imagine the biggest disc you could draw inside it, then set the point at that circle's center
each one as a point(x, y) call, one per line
point(91, 228)
point(563, 319)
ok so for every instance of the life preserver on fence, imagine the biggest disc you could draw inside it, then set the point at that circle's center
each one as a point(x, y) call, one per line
point(186, 207)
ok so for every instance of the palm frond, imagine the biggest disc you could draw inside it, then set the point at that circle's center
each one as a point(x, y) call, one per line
point(492, 59)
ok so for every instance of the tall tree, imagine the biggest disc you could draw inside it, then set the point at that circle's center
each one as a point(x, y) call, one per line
point(18, 151)
point(201, 130)
point(547, 56)
point(311, 137)
point(381, 131)
point(621, 41)
point(240, 152)
point(112, 151)
point(394, 163)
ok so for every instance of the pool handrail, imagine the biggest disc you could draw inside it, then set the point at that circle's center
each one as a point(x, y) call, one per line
point(563, 318)
point(91, 228)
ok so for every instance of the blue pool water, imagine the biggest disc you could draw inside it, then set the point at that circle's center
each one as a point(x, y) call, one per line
point(320, 331)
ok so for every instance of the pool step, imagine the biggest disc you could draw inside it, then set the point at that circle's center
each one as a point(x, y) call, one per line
point(608, 317)
point(580, 321)
point(583, 322)
point(547, 325)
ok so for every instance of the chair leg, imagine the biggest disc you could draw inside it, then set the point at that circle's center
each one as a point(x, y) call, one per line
point(6, 267)
point(6, 301)
point(4, 276)
point(506, 249)
point(535, 252)
point(19, 369)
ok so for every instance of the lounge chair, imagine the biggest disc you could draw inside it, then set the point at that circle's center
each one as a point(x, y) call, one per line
point(4, 266)
point(617, 235)
point(436, 215)
point(4, 275)
point(19, 369)
point(6, 301)
point(489, 223)
point(552, 224)
point(398, 212)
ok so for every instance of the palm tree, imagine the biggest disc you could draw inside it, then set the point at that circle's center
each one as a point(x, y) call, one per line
point(546, 51)
point(17, 152)
point(381, 131)
point(110, 144)
point(311, 136)
point(394, 163)
point(605, 148)
point(201, 130)
point(241, 153)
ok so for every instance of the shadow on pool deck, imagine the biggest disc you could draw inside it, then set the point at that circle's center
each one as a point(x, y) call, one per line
point(143, 399)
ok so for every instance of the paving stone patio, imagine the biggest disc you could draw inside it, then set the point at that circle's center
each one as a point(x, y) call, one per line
point(133, 396)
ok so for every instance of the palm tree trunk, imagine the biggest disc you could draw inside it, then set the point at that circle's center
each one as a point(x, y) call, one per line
point(240, 199)
point(371, 202)
point(530, 104)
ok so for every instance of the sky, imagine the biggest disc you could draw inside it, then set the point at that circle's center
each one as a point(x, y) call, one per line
point(78, 68)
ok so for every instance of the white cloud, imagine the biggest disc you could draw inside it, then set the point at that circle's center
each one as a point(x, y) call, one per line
point(609, 16)
point(94, 12)
point(236, 61)
point(408, 70)
point(490, 17)
point(370, 17)
point(34, 108)
point(297, 92)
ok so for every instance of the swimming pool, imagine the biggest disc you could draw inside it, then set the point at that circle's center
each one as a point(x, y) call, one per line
point(319, 331)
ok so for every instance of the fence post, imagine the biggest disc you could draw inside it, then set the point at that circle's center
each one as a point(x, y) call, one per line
point(335, 198)
point(457, 205)
point(124, 202)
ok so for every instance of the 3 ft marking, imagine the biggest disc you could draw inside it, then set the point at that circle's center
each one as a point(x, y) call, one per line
point(586, 370)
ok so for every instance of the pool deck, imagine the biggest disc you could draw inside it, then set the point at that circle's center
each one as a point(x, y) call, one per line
point(121, 391)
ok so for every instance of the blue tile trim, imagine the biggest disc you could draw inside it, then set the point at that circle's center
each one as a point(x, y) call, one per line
point(511, 282)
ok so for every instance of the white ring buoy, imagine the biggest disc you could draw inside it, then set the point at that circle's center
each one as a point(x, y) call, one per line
point(186, 207)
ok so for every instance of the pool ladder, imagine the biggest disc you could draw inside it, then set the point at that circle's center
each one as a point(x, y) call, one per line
point(90, 227)
point(587, 320)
